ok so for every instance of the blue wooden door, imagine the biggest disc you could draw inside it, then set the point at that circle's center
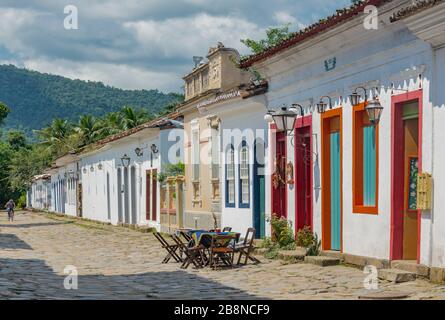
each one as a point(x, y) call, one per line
point(335, 171)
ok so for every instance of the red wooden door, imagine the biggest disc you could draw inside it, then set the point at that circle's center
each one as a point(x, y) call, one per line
point(279, 187)
point(154, 188)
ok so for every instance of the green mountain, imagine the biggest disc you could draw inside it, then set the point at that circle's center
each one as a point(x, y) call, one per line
point(35, 98)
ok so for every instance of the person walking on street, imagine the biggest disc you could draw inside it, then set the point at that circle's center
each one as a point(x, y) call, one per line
point(10, 205)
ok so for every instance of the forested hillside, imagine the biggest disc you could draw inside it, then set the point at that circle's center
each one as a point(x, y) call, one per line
point(35, 99)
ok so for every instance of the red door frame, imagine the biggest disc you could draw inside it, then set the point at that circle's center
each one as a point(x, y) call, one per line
point(300, 123)
point(398, 173)
point(275, 136)
point(326, 180)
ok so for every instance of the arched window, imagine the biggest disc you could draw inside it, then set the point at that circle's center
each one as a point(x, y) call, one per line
point(244, 184)
point(230, 177)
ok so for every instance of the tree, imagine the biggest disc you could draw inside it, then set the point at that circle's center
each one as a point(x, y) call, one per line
point(89, 129)
point(4, 111)
point(274, 37)
point(17, 140)
point(25, 164)
point(57, 137)
point(132, 118)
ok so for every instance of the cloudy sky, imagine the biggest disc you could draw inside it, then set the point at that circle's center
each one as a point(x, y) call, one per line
point(137, 44)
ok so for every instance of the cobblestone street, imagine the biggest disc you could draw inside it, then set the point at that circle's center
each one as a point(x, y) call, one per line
point(118, 263)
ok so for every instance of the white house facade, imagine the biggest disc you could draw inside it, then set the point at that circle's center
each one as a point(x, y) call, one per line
point(353, 183)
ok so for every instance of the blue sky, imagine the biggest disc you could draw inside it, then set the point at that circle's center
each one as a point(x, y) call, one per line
point(137, 44)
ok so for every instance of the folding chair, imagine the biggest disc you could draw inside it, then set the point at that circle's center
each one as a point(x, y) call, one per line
point(221, 251)
point(171, 248)
point(245, 248)
point(193, 255)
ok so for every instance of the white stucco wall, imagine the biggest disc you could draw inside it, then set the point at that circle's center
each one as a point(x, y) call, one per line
point(245, 120)
point(94, 181)
point(436, 230)
point(391, 55)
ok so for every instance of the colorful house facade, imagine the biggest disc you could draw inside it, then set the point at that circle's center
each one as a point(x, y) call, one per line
point(355, 183)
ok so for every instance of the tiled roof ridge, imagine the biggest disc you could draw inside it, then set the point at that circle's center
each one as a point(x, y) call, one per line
point(341, 15)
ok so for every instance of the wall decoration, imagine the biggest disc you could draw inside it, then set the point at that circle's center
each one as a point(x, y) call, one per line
point(290, 173)
point(413, 170)
point(330, 64)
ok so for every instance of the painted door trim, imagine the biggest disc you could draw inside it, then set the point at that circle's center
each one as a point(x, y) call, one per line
point(325, 180)
point(396, 236)
point(301, 123)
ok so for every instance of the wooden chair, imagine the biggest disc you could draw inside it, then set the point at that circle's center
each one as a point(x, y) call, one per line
point(245, 248)
point(170, 248)
point(193, 255)
point(221, 252)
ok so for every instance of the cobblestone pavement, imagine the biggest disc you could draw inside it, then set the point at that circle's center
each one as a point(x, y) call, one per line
point(118, 263)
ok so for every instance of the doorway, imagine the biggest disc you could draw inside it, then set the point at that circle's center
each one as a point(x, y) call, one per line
point(119, 192)
point(332, 180)
point(303, 174)
point(259, 191)
point(406, 164)
point(279, 186)
point(151, 194)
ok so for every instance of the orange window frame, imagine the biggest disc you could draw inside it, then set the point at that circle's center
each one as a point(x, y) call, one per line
point(357, 164)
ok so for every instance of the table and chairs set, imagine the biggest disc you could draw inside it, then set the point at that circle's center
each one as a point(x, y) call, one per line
point(208, 248)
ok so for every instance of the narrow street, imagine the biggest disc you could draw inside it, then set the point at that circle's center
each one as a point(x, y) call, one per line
point(117, 263)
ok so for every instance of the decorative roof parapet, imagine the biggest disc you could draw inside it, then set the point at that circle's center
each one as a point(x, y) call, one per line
point(416, 7)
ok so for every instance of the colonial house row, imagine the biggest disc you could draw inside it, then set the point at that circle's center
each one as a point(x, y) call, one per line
point(116, 180)
point(368, 130)
point(333, 130)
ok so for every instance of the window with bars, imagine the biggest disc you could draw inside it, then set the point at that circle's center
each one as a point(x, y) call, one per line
point(244, 196)
point(230, 177)
point(365, 163)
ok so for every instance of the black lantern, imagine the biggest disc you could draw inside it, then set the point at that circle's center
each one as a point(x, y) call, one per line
point(322, 106)
point(139, 152)
point(284, 119)
point(374, 110)
point(355, 96)
point(125, 161)
point(154, 148)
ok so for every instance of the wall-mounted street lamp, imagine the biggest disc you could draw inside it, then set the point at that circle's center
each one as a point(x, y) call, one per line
point(139, 152)
point(125, 161)
point(154, 150)
point(284, 118)
point(71, 174)
point(355, 96)
point(322, 106)
point(100, 166)
point(373, 107)
point(92, 169)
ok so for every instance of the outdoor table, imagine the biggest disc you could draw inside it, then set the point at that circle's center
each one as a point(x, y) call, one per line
point(204, 238)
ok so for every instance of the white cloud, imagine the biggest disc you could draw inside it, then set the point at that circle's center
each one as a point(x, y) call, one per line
point(283, 17)
point(192, 35)
point(12, 22)
point(117, 75)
